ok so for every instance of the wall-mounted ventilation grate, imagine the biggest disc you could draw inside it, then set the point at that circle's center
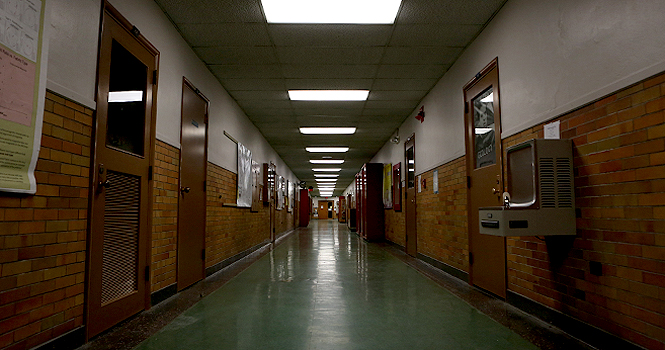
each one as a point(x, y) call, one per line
point(121, 236)
point(564, 183)
point(547, 183)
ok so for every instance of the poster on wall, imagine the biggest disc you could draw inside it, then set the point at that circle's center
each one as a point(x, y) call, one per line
point(244, 193)
point(388, 185)
point(291, 188)
point(279, 188)
point(23, 52)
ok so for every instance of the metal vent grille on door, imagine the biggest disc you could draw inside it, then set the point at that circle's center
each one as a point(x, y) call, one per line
point(121, 236)
point(547, 183)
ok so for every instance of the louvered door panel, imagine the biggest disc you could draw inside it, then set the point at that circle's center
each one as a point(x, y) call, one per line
point(121, 237)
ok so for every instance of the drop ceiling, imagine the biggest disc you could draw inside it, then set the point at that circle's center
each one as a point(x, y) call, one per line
point(257, 63)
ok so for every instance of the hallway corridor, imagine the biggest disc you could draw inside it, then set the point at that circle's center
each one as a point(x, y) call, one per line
point(324, 288)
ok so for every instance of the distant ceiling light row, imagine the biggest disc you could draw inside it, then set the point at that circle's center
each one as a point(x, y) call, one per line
point(327, 149)
point(335, 11)
point(327, 130)
point(328, 95)
point(326, 175)
point(326, 161)
point(327, 169)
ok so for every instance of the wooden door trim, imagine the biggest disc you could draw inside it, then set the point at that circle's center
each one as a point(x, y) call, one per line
point(144, 273)
point(186, 83)
point(470, 160)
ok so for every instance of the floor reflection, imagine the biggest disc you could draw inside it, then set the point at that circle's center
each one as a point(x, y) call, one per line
point(325, 288)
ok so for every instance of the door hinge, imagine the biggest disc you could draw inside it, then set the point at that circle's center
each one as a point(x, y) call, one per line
point(147, 273)
point(470, 258)
point(203, 254)
point(468, 182)
point(154, 77)
point(150, 172)
point(466, 107)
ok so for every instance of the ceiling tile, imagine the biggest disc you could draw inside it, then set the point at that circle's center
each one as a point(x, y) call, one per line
point(316, 84)
point(253, 84)
point(421, 55)
point(329, 35)
point(327, 71)
point(455, 35)
point(415, 95)
point(311, 55)
point(264, 104)
point(225, 34)
point(246, 71)
point(313, 111)
point(384, 112)
point(236, 55)
point(403, 84)
point(392, 104)
point(276, 95)
point(464, 12)
point(411, 71)
point(268, 111)
point(213, 11)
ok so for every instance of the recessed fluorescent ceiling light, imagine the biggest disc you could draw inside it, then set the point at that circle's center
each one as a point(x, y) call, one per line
point(326, 161)
point(326, 180)
point(327, 169)
point(327, 149)
point(332, 11)
point(125, 96)
point(328, 95)
point(327, 131)
point(326, 175)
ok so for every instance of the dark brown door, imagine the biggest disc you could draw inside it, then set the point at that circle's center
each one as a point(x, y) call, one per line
point(410, 196)
point(323, 210)
point(192, 200)
point(483, 152)
point(122, 190)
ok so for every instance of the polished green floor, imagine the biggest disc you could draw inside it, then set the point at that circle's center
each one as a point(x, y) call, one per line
point(323, 288)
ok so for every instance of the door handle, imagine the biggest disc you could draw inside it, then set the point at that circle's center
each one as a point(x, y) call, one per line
point(495, 190)
point(184, 190)
point(105, 184)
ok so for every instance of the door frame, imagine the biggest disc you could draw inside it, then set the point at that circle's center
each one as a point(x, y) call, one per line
point(493, 66)
point(108, 11)
point(186, 83)
point(414, 249)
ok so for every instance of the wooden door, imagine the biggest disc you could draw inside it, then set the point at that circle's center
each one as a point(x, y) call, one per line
point(323, 210)
point(272, 182)
point(410, 196)
point(192, 199)
point(487, 254)
point(120, 215)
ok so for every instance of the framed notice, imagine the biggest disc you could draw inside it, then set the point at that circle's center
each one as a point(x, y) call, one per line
point(22, 92)
point(244, 193)
point(388, 185)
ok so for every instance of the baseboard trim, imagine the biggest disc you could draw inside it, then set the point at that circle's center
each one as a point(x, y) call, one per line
point(585, 332)
point(163, 294)
point(463, 275)
point(70, 340)
point(224, 263)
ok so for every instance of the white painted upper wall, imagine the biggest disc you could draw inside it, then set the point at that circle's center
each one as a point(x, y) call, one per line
point(554, 56)
point(73, 66)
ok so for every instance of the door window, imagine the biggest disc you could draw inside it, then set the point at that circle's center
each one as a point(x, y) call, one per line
point(483, 129)
point(126, 102)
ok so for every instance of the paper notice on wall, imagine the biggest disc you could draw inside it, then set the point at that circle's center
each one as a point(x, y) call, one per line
point(244, 193)
point(420, 184)
point(435, 181)
point(552, 130)
point(22, 92)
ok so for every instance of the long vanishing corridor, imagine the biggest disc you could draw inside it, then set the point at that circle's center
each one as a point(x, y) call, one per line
point(324, 288)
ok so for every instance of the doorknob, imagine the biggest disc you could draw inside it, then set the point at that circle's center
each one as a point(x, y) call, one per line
point(105, 184)
point(185, 190)
point(495, 190)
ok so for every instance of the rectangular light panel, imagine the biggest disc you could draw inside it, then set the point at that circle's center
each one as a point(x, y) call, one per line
point(330, 170)
point(326, 175)
point(326, 161)
point(125, 96)
point(331, 11)
point(306, 130)
point(328, 95)
point(327, 149)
